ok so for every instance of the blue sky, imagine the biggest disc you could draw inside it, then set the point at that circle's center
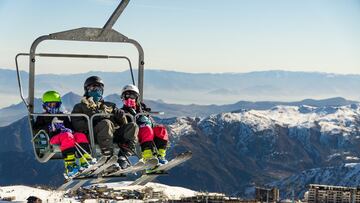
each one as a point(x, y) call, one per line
point(195, 36)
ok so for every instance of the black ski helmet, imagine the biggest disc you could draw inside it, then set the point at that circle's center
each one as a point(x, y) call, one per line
point(92, 80)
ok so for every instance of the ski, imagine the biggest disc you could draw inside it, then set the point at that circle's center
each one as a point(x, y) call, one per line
point(91, 168)
point(179, 159)
point(80, 178)
point(107, 164)
point(139, 166)
point(104, 164)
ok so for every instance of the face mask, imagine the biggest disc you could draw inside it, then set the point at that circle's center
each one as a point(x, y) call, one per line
point(130, 103)
point(96, 94)
point(52, 107)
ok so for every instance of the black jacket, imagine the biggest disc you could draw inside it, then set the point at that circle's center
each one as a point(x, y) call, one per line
point(133, 112)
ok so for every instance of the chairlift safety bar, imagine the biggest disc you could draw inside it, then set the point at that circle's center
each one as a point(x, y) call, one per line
point(91, 133)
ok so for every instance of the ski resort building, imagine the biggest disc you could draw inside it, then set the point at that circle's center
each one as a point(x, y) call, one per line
point(332, 194)
point(266, 194)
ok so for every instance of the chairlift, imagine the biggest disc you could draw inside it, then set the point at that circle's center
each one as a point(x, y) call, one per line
point(42, 149)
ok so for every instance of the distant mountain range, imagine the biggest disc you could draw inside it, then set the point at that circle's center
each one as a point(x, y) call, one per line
point(232, 152)
point(198, 88)
point(240, 150)
point(15, 112)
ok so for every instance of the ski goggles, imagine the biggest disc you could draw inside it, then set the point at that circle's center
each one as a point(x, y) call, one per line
point(95, 87)
point(129, 95)
point(52, 104)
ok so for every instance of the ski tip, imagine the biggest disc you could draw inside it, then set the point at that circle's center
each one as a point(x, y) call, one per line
point(187, 153)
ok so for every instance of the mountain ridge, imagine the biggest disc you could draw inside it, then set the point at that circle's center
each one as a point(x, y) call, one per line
point(219, 88)
point(236, 150)
point(12, 113)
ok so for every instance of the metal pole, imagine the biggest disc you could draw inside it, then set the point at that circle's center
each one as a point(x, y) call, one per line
point(115, 15)
point(140, 68)
point(19, 77)
point(32, 71)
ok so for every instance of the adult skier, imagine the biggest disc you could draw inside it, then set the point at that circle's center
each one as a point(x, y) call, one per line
point(153, 138)
point(107, 129)
point(60, 133)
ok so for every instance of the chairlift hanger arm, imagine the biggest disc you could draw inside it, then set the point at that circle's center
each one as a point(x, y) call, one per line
point(116, 14)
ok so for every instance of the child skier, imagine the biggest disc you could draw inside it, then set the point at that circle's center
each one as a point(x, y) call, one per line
point(60, 133)
point(153, 138)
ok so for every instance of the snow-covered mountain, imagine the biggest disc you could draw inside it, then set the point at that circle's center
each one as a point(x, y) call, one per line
point(13, 113)
point(235, 151)
point(238, 150)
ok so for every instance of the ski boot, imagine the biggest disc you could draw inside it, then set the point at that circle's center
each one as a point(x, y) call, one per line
point(125, 152)
point(123, 162)
point(161, 153)
point(86, 161)
point(147, 154)
point(71, 168)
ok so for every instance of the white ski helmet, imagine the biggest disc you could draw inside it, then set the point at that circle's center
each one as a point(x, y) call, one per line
point(131, 88)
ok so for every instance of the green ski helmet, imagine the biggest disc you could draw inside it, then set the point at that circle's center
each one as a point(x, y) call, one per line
point(51, 96)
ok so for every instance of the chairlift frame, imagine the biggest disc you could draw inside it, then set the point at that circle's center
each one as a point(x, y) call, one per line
point(85, 34)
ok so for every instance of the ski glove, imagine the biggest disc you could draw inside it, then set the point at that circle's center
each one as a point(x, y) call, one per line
point(66, 130)
point(62, 128)
point(57, 124)
point(119, 113)
point(144, 107)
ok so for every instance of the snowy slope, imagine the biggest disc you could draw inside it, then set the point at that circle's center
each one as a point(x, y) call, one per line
point(172, 192)
point(332, 120)
point(21, 193)
point(261, 146)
